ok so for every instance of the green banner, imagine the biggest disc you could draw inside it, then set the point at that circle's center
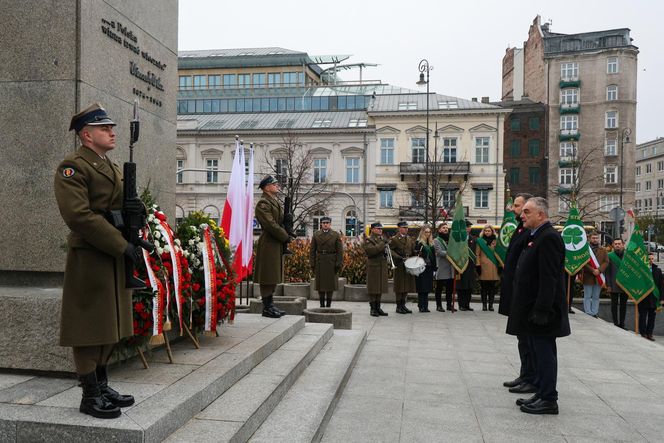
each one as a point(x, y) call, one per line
point(457, 247)
point(507, 228)
point(634, 275)
point(577, 252)
point(490, 253)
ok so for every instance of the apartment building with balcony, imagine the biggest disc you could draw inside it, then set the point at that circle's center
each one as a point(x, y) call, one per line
point(650, 178)
point(587, 82)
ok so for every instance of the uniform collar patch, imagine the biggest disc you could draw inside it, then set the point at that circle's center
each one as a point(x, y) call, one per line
point(68, 172)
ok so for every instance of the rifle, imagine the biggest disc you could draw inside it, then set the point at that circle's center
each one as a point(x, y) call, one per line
point(133, 211)
point(288, 217)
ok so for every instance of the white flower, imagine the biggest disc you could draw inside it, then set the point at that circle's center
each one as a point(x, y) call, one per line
point(154, 206)
point(157, 244)
point(197, 239)
point(190, 271)
point(167, 249)
point(157, 234)
point(159, 250)
point(192, 242)
point(193, 228)
point(177, 241)
point(201, 245)
point(150, 218)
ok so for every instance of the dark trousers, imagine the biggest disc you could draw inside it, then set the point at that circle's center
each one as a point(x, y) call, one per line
point(546, 364)
point(448, 284)
point(423, 300)
point(618, 308)
point(487, 291)
point(646, 320)
point(464, 297)
point(528, 371)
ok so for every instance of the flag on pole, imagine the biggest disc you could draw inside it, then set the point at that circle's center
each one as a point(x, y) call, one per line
point(248, 245)
point(457, 246)
point(577, 251)
point(233, 217)
point(634, 275)
point(507, 228)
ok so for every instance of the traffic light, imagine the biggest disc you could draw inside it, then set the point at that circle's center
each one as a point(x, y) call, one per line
point(622, 226)
point(360, 227)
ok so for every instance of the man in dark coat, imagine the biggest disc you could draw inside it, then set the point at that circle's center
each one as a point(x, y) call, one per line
point(524, 383)
point(648, 306)
point(403, 247)
point(96, 307)
point(269, 248)
point(539, 305)
point(468, 279)
point(375, 246)
point(618, 296)
point(326, 258)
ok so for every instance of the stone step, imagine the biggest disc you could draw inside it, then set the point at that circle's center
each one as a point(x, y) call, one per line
point(167, 395)
point(305, 410)
point(236, 414)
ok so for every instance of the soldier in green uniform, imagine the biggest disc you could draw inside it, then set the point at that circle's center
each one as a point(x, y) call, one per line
point(326, 259)
point(375, 247)
point(270, 246)
point(402, 247)
point(96, 308)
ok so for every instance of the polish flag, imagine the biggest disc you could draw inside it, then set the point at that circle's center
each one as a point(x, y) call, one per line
point(248, 240)
point(594, 263)
point(233, 217)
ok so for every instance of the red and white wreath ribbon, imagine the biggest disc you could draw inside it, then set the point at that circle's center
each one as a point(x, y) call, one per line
point(210, 275)
point(158, 304)
point(177, 273)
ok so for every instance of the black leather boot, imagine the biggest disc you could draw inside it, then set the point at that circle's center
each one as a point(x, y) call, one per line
point(491, 299)
point(321, 297)
point(268, 309)
point(93, 402)
point(400, 309)
point(380, 311)
point(116, 399)
point(483, 295)
point(405, 308)
point(374, 311)
point(328, 302)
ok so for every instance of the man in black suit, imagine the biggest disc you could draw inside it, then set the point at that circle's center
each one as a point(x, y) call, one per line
point(539, 307)
point(524, 383)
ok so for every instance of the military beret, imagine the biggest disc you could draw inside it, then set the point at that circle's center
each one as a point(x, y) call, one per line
point(376, 225)
point(468, 224)
point(326, 219)
point(267, 181)
point(402, 224)
point(93, 115)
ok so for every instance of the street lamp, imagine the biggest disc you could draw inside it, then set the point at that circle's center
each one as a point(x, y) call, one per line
point(624, 139)
point(425, 67)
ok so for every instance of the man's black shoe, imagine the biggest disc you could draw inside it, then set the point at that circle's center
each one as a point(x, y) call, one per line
point(468, 308)
point(440, 309)
point(405, 308)
point(93, 402)
point(571, 311)
point(540, 407)
point(510, 384)
point(270, 313)
point(523, 388)
point(527, 401)
point(463, 308)
point(113, 396)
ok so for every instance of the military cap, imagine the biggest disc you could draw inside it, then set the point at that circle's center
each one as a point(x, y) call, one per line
point(268, 180)
point(402, 224)
point(326, 219)
point(93, 115)
point(468, 224)
point(376, 225)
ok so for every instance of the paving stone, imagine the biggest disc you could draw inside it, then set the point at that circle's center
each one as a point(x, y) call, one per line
point(203, 430)
point(8, 380)
point(425, 432)
point(71, 398)
point(368, 427)
point(35, 390)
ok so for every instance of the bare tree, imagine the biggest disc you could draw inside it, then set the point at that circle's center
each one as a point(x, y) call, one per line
point(293, 167)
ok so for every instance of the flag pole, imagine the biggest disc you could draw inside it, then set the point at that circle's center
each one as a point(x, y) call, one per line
point(453, 289)
point(636, 318)
point(569, 294)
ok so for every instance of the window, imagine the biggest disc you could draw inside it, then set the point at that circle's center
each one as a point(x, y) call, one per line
point(230, 81)
point(248, 124)
point(411, 106)
point(417, 198)
point(212, 166)
point(534, 148)
point(569, 96)
point(608, 202)
point(481, 198)
point(321, 124)
point(482, 150)
point(514, 176)
point(648, 185)
point(290, 78)
point(515, 124)
point(259, 80)
point(281, 169)
point(284, 123)
point(638, 170)
point(351, 223)
point(638, 187)
point(569, 71)
point(563, 205)
point(534, 123)
point(534, 175)
point(214, 81)
point(648, 168)
point(273, 79)
point(660, 183)
point(611, 119)
point(449, 150)
point(180, 167)
point(320, 170)
point(315, 220)
point(352, 170)
point(610, 175)
point(386, 151)
point(515, 148)
point(660, 165)
point(448, 196)
point(418, 149)
point(611, 93)
point(185, 82)
point(448, 104)
point(243, 80)
point(200, 82)
point(569, 122)
point(612, 65)
point(357, 123)
point(386, 198)
point(566, 176)
point(610, 147)
point(567, 149)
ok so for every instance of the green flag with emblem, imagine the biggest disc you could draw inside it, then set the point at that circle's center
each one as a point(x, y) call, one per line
point(457, 246)
point(507, 228)
point(577, 251)
point(634, 275)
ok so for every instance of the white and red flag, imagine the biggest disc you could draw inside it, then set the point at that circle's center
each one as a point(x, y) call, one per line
point(234, 217)
point(248, 245)
point(594, 263)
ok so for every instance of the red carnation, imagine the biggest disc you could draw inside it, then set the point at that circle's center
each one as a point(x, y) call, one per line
point(196, 287)
point(139, 307)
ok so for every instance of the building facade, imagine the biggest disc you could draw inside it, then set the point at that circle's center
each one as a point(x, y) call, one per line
point(587, 82)
point(650, 178)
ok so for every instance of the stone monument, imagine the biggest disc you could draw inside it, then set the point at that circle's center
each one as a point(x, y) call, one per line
point(56, 58)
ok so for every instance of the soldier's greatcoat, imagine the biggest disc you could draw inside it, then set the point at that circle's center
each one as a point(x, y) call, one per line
point(374, 247)
point(326, 259)
point(402, 247)
point(96, 307)
point(269, 248)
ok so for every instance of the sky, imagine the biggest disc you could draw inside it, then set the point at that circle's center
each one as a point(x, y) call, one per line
point(463, 41)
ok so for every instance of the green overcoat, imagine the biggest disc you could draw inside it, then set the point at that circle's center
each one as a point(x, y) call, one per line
point(269, 248)
point(96, 307)
point(374, 247)
point(402, 248)
point(326, 257)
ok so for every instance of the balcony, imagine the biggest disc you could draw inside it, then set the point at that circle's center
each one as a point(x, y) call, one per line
point(569, 134)
point(570, 82)
point(569, 108)
point(412, 212)
point(564, 189)
point(568, 162)
point(441, 168)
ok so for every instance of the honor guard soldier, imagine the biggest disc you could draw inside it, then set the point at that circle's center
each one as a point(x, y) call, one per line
point(326, 259)
point(402, 247)
point(376, 249)
point(96, 307)
point(270, 246)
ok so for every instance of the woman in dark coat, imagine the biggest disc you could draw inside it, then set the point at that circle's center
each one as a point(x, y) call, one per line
point(648, 306)
point(424, 282)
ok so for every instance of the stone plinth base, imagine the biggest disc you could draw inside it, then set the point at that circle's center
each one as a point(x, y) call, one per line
point(339, 318)
point(337, 295)
point(296, 289)
point(291, 305)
